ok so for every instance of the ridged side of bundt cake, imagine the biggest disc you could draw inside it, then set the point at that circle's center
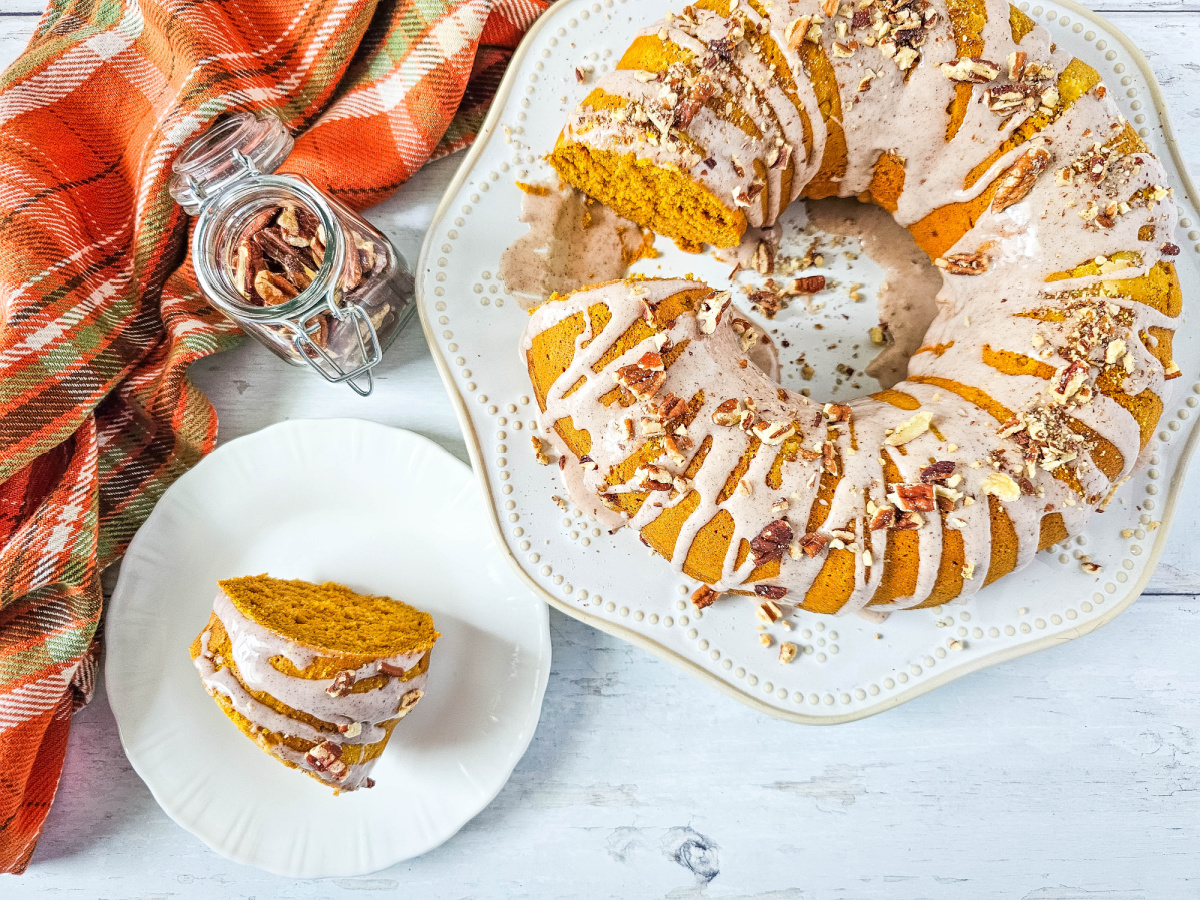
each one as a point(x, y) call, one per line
point(1041, 379)
point(911, 497)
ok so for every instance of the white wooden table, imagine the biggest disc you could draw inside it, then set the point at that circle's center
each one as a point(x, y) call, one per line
point(1070, 774)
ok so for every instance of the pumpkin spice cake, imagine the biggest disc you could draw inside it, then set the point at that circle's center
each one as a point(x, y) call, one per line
point(316, 674)
point(1039, 383)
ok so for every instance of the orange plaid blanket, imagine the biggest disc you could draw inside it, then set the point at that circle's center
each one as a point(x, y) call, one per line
point(99, 314)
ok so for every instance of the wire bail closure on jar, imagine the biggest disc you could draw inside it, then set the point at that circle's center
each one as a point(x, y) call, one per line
point(318, 358)
point(226, 178)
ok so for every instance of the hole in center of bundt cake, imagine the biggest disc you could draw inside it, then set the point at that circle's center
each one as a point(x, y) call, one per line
point(906, 293)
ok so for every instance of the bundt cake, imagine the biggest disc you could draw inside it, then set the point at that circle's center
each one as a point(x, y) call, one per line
point(1040, 382)
point(315, 674)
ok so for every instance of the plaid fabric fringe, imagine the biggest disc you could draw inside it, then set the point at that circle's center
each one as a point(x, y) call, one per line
point(99, 312)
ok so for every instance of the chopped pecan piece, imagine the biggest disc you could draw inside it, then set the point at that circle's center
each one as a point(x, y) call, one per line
point(708, 312)
point(1005, 98)
point(323, 755)
point(769, 612)
point(913, 497)
point(670, 409)
point(909, 429)
point(1002, 487)
point(829, 458)
point(773, 433)
point(1067, 381)
point(1016, 64)
point(693, 101)
point(727, 415)
point(787, 652)
point(779, 158)
point(770, 591)
point(813, 543)
point(769, 303)
point(808, 284)
point(836, 412)
point(971, 69)
point(704, 597)
point(797, 31)
point(650, 477)
point(644, 378)
point(938, 472)
point(884, 517)
point(908, 521)
point(342, 682)
point(964, 263)
point(408, 701)
point(772, 542)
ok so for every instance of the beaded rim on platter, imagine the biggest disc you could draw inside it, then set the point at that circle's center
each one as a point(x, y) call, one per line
point(848, 667)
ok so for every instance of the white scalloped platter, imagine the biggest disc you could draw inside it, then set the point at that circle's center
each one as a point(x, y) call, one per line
point(343, 500)
point(849, 667)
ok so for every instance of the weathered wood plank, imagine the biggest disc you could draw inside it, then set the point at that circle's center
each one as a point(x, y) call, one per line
point(1065, 775)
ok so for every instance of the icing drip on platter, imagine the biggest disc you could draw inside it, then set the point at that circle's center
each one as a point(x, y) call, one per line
point(572, 242)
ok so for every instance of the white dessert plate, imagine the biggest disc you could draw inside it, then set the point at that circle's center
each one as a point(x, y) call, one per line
point(381, 510)
point(850, 667)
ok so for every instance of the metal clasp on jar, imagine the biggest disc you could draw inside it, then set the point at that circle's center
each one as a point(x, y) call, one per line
point(314, 350)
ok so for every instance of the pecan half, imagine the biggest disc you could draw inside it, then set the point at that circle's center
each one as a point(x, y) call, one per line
point(273, 288)
point(1017, 181)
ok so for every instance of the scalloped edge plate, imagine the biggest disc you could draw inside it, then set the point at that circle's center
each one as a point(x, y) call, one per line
point(379, 509)
point(851, 668)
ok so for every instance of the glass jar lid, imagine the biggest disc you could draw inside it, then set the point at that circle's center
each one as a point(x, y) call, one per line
point(238, 146)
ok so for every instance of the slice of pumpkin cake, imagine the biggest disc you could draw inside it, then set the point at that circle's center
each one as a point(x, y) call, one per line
point(317, 675)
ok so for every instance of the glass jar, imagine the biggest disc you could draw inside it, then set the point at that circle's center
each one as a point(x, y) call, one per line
point(304, 274)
